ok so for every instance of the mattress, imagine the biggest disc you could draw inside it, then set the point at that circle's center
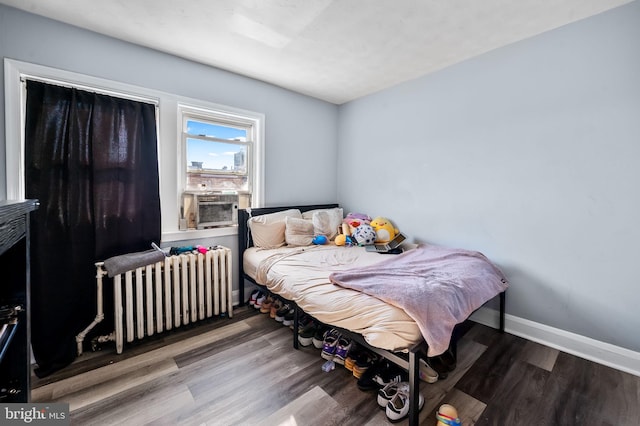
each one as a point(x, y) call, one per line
point(301, 274)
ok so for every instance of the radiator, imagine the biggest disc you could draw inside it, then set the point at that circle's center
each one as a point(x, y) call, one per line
point(183, 289)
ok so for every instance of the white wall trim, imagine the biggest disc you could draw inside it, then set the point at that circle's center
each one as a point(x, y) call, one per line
point(584, 347)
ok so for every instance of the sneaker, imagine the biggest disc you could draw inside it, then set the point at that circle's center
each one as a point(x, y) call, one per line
point(304, 321)
point(265, 307)
point(342, 349)
point(259, 300)
point(254, 296)
point(318, 337)
point(350, 360)
point(289, 317)
point(275, 307)
point(363, 362)
point(306, 333)
point(282, 312)
point(443, 364)
point(365, 382)
point(389, 372)
point(371, 378)
point(387, 393)
point(426, 373)
point(329, 344)
point(398, 407)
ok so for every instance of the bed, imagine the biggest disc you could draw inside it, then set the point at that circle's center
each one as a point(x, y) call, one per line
point(340, 286)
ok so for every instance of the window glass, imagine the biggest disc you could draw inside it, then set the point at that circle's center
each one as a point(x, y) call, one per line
point(212, 156)
point(218, 153)
point(217, 131)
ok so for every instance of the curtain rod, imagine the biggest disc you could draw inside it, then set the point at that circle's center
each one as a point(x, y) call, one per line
point(94, 89)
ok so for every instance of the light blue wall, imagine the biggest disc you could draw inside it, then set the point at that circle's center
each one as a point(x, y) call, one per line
point(300, 131)
point(530, 154)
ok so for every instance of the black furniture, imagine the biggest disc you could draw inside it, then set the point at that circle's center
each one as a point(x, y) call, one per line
point(15, 339)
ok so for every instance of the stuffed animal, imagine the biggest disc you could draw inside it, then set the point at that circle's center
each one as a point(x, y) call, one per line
point(319, 240)
point(365, 235)
point(356, 219)
point(385, 231)
point(447, 415)
point(344, 240)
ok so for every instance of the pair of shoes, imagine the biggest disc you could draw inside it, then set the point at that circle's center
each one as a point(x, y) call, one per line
point(443, 364)
point(426, 373)
point(380, 374)
point(303, 321)
point(306, 333)
point(284, 310)
point(350, 360)
point(342, 349)
point(275, 307)
point(387, 393)
point(363, 361)
point(254, 297)
point(447, 415)
point(398, 406)
point(265, 307)
point(289, 318)
point(329, 344)
point(260, 300)
point(335, 346)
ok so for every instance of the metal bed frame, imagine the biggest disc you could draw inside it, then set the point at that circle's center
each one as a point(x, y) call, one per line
point(409, 361)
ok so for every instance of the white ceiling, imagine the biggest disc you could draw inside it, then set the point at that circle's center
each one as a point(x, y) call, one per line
point(335, 50)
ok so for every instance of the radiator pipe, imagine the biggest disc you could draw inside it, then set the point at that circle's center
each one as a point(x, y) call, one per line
point(100, 272)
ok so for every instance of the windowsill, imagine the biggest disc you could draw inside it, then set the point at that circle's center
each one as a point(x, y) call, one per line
point(194, 234)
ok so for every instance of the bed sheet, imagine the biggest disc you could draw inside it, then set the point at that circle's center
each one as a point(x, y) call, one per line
point(301, 274)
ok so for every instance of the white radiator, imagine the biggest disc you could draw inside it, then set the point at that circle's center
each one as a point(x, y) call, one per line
point(181, 290)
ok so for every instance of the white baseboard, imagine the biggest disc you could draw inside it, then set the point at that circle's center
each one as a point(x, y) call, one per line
point(584, 347)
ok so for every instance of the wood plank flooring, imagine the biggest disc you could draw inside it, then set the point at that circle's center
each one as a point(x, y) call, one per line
point(244, 371)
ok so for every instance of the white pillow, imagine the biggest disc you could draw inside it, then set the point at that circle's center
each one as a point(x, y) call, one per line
point(267, 230)
point(335, 221)
point(298, 232)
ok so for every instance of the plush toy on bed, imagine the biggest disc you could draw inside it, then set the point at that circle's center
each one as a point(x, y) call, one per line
point(356, 219)
point(385, 231)
point(344, 240)
point(365, 235)
point(320, 240)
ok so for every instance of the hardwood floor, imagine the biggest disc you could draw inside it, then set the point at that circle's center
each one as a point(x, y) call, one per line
point(244, 371)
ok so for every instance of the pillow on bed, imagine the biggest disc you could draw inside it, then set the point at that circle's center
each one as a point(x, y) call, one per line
point(335, 221)
point(298, 232)
point(267, 230)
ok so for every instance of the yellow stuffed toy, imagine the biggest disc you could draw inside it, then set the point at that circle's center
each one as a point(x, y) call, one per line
point(385, 231)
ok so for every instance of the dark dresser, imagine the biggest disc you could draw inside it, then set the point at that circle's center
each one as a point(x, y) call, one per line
point(15, 350)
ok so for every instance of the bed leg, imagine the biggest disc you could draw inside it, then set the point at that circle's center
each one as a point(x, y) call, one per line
point(502, 309)
point(414, 388)
point(296, 318)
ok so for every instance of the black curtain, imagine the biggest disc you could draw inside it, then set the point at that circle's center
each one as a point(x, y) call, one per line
point(92, 162)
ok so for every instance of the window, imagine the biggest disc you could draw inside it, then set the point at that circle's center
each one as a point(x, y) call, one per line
point(246, 180)
point(219, 151)
point(218, 155)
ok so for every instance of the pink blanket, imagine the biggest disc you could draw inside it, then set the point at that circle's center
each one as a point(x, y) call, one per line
point(436, 286)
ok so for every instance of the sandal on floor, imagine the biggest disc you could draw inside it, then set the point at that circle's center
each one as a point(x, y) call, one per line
point(447, 415)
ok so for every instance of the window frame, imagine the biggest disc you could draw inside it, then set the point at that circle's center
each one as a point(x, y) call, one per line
point(221, 118)
point(229, 115)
